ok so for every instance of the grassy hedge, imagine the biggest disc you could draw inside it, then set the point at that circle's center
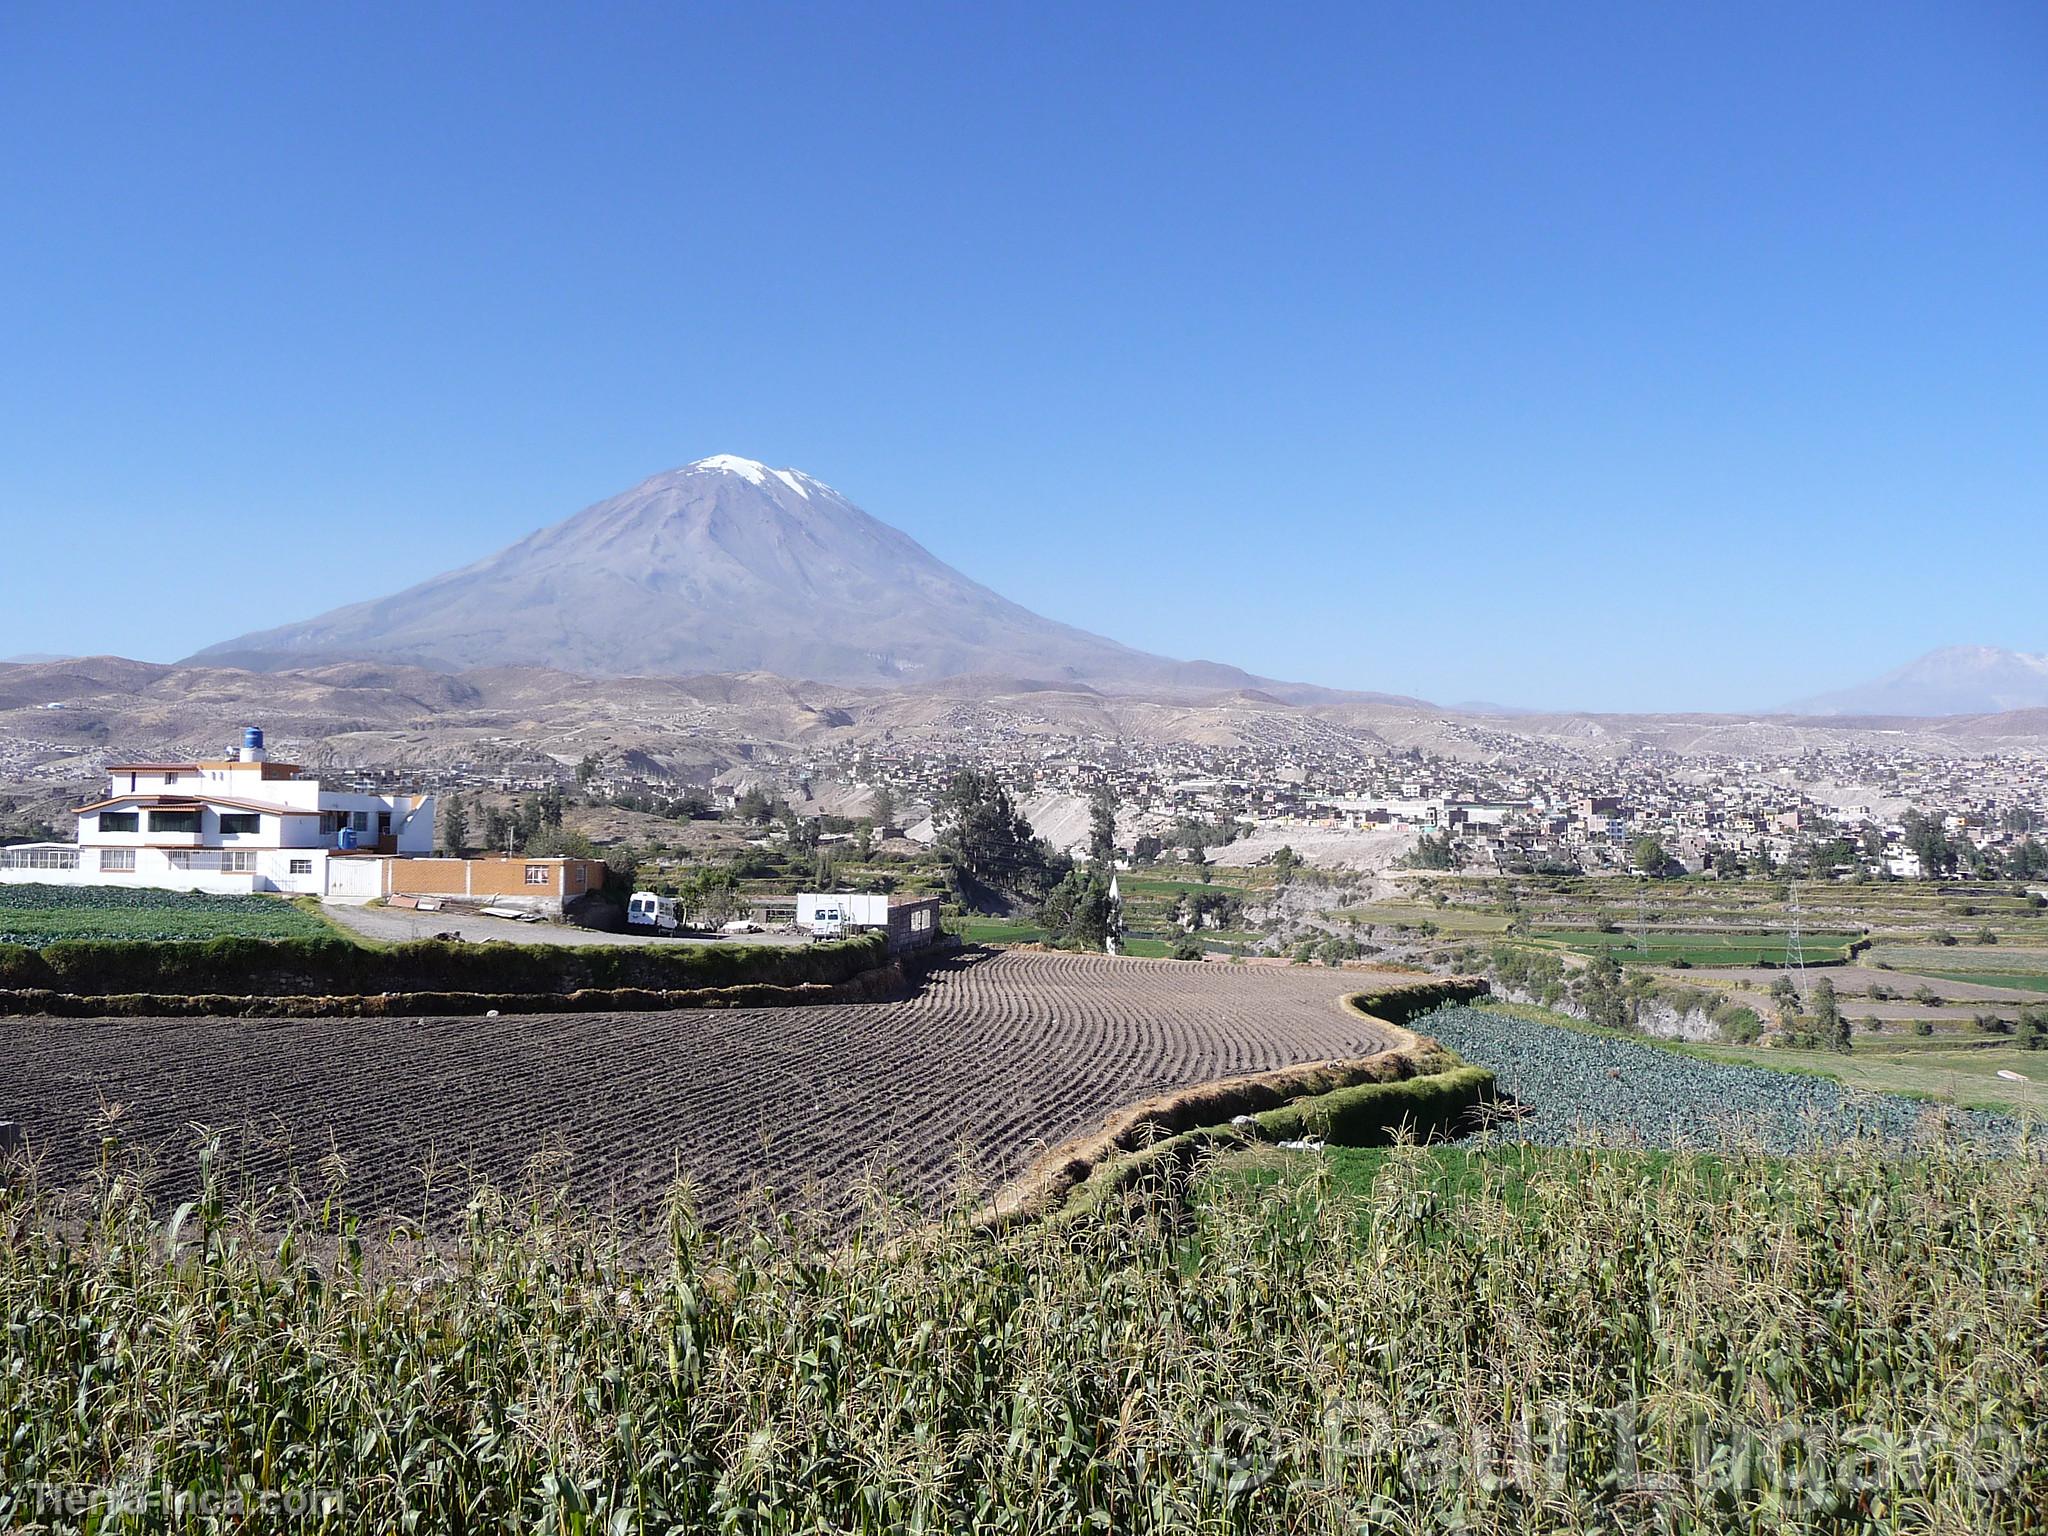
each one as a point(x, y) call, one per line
point(1427, 1108)
point(336, 967)
point(1404, 1002)
point(884, 984)
point(1378, 1114)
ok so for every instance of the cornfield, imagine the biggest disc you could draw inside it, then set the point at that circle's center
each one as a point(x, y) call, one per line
point(1574, 1341)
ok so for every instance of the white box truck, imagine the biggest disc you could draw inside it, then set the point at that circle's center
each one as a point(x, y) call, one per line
point(828, 915)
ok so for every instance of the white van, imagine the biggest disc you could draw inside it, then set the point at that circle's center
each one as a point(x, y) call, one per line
point(663, 914)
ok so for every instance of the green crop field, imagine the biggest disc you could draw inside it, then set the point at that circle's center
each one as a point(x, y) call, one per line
point(1953, 1068)
point(36, 915)
point(1421, 1341)
point(1663, 947)
point(998, 930)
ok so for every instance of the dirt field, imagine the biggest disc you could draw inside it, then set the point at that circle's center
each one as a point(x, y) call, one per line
point(995, 1058)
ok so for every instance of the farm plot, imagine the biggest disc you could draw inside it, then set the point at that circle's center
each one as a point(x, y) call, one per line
point(36, 915)
point(995, 1058)
point(1663, 947)
point(1577, 1087)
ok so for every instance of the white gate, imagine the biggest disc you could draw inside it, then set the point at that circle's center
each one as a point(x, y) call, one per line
point(355, 877)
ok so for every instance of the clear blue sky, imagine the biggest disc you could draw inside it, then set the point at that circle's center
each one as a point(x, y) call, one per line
point(1622, 356)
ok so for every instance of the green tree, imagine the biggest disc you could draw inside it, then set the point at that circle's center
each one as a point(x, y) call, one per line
point(1284, 862)
point(711, 894)
point(587, 769)
point(1926, 837)
point(1828, 1020)
point(2031, 1030)
point(1785, 998)
point(1076, 913)
point(986, 840)
point(1648, 855)
point(559, 843)
point(2029, 861)
point(882, 806)
point(1102, 825)
point(455, 826)
point(1432, 853)
point(550, 807)
point(1188, 947)
point(1601, 994)
point(497, 829)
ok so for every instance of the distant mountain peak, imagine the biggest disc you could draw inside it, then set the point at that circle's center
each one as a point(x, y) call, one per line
point(1950, 680)
point(724, 565)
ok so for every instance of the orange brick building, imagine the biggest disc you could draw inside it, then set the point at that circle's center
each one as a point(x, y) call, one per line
point(545, 883)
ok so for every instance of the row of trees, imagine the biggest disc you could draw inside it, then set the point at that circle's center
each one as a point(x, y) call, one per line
point(532, 824)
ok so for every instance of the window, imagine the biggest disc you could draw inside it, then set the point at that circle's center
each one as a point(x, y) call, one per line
point(174, 821)
point(120, 821)
point(359, 820)
point(116, 861)
point(921, 918)
point(302, 866)
point(536, 874)
point(170, 778)
point(226, 861)
point(239, 823)
point(576, 876)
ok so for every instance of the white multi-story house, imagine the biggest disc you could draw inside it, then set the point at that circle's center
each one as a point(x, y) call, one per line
point(243, 823)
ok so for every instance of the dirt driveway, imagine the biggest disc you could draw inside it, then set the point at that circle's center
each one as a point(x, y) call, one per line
point(394, 925)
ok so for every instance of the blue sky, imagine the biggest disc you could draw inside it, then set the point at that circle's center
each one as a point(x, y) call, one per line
point(1621, 356)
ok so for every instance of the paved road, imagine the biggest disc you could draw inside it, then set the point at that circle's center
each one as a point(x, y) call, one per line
point(994, 1058)
point(397, 924)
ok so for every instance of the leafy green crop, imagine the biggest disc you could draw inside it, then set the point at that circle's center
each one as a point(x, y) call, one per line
point(36, 915)
point(1574, 1086)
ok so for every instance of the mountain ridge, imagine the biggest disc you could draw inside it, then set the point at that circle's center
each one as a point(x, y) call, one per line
point(723, 565)
point(1950, 680)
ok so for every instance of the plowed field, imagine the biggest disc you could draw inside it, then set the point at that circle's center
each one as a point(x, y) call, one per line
point(995, 1058)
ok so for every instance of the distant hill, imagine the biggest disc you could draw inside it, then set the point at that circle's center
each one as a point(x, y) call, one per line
point(1955, 680)
point(722, 566)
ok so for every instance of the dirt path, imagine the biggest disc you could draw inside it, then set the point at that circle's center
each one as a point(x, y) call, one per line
point(992, 1060)
point(392, 925)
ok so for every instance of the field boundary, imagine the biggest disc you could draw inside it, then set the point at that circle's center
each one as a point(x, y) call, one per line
point(884, 984)
point(269, 971)
point(1168, 1131)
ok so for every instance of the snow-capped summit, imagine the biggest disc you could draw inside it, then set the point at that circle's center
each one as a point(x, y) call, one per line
point(754, 472)
point(724, 565)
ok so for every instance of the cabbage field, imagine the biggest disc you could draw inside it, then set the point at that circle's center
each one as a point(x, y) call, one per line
point(36, 915)
point(1574, 1086)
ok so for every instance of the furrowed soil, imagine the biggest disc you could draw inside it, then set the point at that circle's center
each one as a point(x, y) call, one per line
point(995, 1057)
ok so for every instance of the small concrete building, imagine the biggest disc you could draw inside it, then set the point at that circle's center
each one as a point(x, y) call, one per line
point(536, 884)
point(910, 921)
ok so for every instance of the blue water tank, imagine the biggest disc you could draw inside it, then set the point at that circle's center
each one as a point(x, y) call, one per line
point(252, 737)
point(346, 838)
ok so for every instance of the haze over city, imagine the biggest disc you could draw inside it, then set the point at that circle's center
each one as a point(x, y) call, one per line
point(1593, 357)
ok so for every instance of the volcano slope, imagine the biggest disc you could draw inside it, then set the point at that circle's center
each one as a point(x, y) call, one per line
point(819, 1109)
